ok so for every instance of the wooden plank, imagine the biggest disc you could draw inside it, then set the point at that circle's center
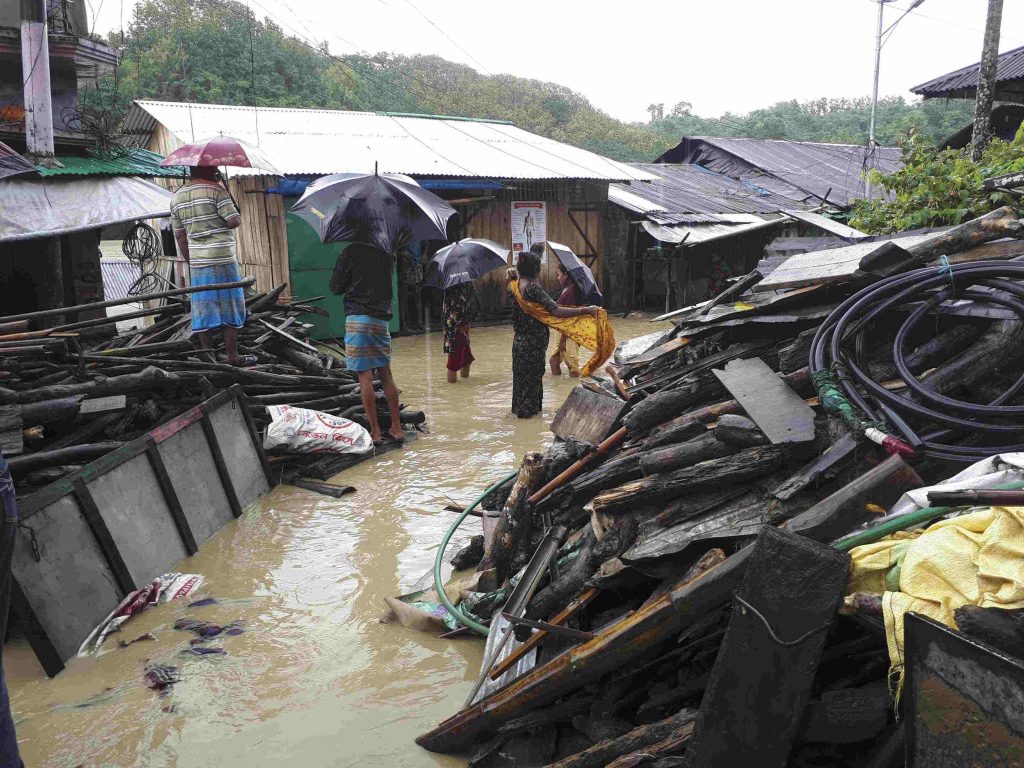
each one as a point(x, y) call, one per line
point(587, 415)
point(765, 670)
point(829, 266)
point(104, 404)
point(840, 450)
point(775, 407)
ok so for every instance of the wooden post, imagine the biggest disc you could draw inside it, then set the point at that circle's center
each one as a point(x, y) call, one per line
point(982, 132)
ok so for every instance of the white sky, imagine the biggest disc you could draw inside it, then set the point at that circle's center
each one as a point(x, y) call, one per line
point(720, 55)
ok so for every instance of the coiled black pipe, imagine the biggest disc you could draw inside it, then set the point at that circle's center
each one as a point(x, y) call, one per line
point(841, 342)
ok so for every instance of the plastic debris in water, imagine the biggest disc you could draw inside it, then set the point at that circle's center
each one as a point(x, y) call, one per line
point(160, 677)
point(206, 629)
point(203, 651)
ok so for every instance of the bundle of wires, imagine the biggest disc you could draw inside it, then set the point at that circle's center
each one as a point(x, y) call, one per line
point(952, 429)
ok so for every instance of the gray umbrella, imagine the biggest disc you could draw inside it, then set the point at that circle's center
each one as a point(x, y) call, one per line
point(580, 273)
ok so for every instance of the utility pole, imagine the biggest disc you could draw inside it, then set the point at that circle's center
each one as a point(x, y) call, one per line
point(879, 42)
point(982, 132)
point(48, 269)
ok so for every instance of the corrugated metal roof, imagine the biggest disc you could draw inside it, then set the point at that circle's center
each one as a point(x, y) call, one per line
point(1009, 67)
point(800, 170)
point(320, 141)
point(689, 202)
point(136, 162)
point(13, 164)
point(686, 188)
point(118, 276)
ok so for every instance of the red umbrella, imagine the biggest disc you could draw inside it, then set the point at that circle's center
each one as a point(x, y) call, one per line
point(220, 151)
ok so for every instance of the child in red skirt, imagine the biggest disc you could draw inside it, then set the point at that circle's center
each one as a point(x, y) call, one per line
point(461, 356)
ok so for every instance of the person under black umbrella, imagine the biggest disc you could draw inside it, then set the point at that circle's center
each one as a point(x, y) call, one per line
point(362, 275)
point(453, 269)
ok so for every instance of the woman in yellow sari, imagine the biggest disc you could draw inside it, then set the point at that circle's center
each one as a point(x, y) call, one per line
point(529, 348)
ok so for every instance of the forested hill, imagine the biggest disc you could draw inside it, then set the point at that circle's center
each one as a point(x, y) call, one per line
point(217, 51)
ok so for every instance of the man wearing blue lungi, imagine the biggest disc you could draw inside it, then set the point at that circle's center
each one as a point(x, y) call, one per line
point(204, 217)
point(363, 275)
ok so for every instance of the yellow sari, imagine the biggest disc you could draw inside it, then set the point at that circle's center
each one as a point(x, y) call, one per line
point(594, 333)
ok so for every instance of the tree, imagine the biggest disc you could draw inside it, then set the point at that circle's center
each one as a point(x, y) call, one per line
point(681, 109)
point(937, 187)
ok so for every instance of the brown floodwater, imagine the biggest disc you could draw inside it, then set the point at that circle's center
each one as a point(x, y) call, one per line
point(315, 679)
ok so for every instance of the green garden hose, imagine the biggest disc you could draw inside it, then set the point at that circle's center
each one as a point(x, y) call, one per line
point(909, 520)
point(459, 616)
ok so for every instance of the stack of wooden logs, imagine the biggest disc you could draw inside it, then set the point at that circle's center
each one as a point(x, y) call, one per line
point(691, 616)
point(73, 392)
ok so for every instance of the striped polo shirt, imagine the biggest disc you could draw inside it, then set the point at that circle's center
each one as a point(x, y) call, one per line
point(200, 209)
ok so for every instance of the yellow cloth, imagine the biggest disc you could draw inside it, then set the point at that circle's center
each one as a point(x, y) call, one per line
point(974, 559)
point(591, 332)
point(570, 356)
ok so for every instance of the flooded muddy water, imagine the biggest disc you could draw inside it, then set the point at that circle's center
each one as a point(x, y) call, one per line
point(314, 680)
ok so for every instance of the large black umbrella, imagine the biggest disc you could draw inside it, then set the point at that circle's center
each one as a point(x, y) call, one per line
point(464, 262)
point(385, 210)
point(580, 272)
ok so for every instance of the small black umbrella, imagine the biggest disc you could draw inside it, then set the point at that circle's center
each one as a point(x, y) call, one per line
point(464, 262)
point(580, 272)
point(385, 210)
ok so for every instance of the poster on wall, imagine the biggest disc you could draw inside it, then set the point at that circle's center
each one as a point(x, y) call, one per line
point(529, 225)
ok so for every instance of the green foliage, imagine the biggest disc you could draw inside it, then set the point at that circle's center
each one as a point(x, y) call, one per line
point(218, 51)
point(938, 187)
point(839, 121)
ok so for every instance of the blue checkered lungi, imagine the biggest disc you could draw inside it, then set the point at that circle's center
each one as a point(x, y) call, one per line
point(214, 309)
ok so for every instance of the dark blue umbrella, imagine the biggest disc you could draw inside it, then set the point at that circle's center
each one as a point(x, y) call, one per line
point(385, 210)
point(580, 273)
point(464, 262)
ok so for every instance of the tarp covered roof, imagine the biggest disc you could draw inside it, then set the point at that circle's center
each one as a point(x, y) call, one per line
point(35, 207)
point(799, 170)
point(963, 83)
point(322, 141)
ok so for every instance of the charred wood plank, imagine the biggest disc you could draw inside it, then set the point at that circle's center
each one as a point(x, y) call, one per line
point(638, 632)
point(736, 468)
point(779, 411)
point(762, 678)
point(678, 726)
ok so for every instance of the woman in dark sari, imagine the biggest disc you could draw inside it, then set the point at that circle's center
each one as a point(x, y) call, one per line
point(529, 347)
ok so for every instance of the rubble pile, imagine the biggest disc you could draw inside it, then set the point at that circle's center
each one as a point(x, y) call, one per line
point(73, 392)
point(668, 584)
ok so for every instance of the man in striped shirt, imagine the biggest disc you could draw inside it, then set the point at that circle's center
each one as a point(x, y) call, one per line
point(204, 217)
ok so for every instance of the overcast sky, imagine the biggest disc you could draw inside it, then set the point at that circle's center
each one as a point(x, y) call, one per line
point(719, 55)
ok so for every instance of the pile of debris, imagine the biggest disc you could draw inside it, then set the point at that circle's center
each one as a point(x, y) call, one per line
point(72, 392)
point(669, 583)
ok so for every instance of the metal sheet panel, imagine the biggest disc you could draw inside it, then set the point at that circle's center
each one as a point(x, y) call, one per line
point(321, 141)
point(964, 700)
